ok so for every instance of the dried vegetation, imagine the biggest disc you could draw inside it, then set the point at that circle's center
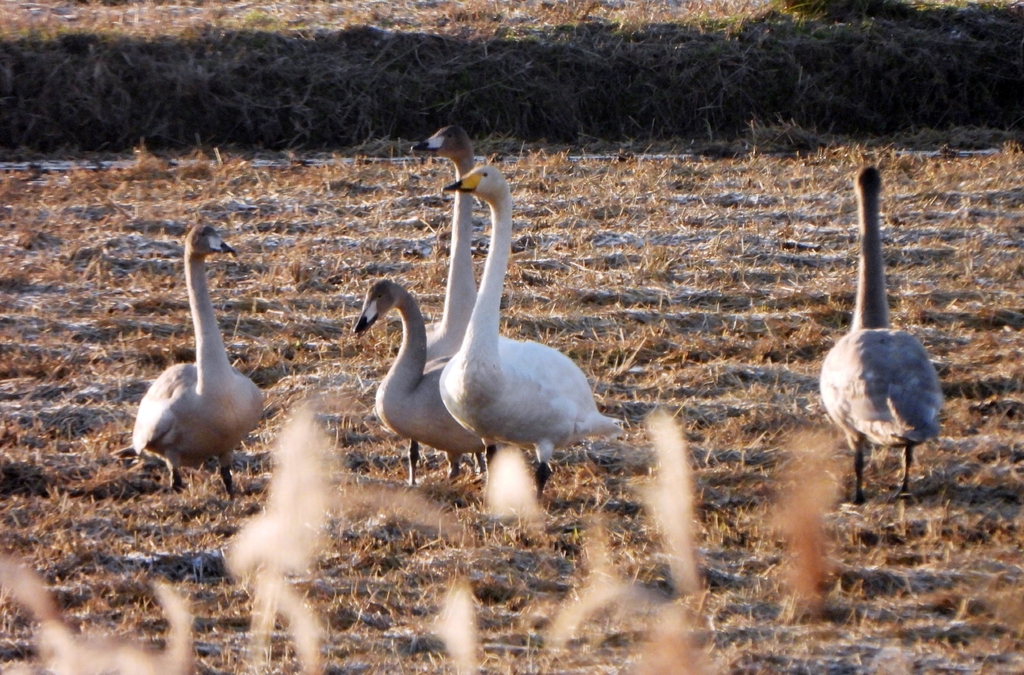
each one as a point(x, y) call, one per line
point(709, 288)
point(330, 75)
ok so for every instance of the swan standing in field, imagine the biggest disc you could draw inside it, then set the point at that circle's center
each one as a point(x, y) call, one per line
point(196, 411)
point(409, 398)
point(877, 384)
point(445, 337)
point(523, 393)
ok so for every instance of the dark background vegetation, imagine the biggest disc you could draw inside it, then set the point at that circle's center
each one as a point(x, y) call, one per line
point(898, 71)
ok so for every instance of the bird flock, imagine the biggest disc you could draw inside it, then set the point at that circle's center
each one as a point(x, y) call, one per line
point(461, 387)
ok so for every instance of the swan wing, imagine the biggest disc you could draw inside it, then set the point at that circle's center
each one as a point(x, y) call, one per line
point(880, 383)
point(247, 404)
point(156, 419)
point(547, 394)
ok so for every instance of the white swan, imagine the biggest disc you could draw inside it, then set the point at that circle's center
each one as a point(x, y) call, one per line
point(196, 411)
point(877, 384)
point(408, 399)
point(522, 393)
point(445, 337)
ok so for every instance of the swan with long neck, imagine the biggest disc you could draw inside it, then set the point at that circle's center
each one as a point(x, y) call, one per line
point(196, 411)
point(877, 384)
point(522, 393)
point(409, 399)
point(445, 337)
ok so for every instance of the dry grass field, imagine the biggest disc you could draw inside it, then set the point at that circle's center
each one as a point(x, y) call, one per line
point(465, 18)
point(711, 288)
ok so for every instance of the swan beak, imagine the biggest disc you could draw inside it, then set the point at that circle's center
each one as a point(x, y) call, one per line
point(367, 318)
point(217, 244)
point(467, 184)
point(432, 144)
point(362, 325)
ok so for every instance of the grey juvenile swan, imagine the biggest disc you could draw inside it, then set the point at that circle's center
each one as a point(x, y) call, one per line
point(408, 399)
point(878, 384)
point(196, 411)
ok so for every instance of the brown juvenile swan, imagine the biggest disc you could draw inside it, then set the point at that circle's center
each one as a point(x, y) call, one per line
point(196, 411)
point(408, 399)
point(877, 384)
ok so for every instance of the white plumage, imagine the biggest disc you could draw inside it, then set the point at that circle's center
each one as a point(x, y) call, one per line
point(522, 393)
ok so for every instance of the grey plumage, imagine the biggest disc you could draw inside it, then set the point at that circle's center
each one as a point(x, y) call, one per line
point(878, 384)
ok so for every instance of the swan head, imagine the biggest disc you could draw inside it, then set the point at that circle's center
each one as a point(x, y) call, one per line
point(203, 240)
point(451, 142)
point(486, 182)
point(869, 180)
point(379, 300)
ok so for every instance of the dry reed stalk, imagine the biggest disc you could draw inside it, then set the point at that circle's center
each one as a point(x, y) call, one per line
point(511, 490)
point(66, 653)
point(179, 652)
point(284, 539)
point(671, 501)
point(457, 627)
point(273, 595)
point(21, 669)
point(670, 649)
point(286, 535)
point(1008, 606)
point(810, 491)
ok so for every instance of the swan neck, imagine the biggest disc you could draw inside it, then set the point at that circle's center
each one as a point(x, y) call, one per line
point(463, 165)
point(211, 357)
point(872, 309)
point(407, 369)
point(460, 295)
point(482, 336)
